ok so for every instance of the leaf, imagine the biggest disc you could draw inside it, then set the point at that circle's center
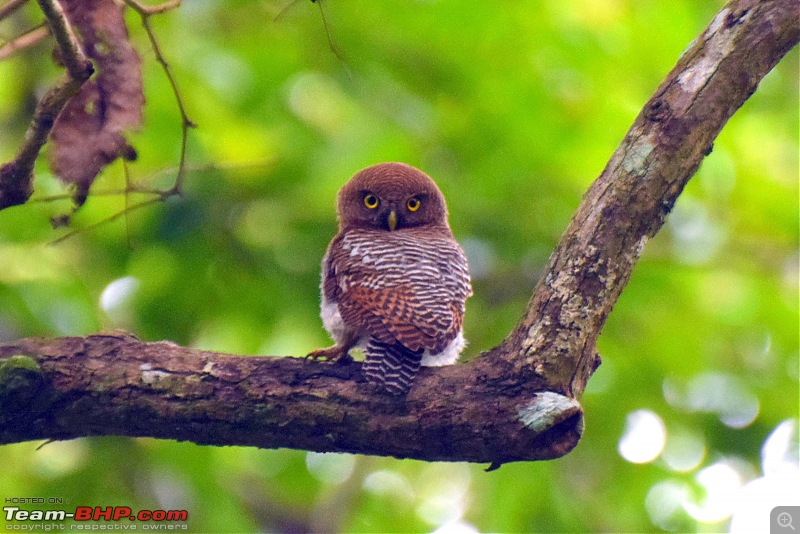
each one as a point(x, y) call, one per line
point(88, 134)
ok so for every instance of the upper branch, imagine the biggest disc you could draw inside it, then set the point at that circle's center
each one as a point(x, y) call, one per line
point(72, 55)
point(514, 403)
point(11, 6)
point(630, 200)
point(16, 176)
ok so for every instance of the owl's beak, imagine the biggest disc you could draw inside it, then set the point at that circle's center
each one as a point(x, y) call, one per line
point(392, 220)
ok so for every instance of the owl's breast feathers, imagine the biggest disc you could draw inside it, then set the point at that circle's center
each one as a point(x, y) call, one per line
point(406, 287)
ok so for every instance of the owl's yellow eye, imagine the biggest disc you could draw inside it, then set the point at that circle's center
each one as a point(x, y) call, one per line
point(413, 204)
point(371, 201)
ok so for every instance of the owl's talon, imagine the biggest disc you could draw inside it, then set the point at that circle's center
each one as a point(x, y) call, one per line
point(331, 354)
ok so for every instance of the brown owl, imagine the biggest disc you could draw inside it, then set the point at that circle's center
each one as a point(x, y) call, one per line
point(394, 280)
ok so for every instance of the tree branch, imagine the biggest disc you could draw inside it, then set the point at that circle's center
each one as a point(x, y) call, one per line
point(145, 12)
point(516, 402)
point(11, 6)
point(72, 55)
point(16, 176)
point(25, 40)
point(117, 385)
point(630, 200)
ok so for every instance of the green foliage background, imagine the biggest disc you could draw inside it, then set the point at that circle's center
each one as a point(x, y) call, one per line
point(514, 108)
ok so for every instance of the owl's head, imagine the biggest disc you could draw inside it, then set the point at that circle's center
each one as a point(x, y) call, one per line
point(391, 196)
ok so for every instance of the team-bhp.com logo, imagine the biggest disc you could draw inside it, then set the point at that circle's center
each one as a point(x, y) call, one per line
point(96, 513)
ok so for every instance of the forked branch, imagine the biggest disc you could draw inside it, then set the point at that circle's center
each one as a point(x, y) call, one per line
point(145, 12)
point(516, 402)
point(16, 176)
point(83, 141)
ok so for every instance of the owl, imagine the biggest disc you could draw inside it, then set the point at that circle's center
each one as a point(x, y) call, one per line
point(394, 280)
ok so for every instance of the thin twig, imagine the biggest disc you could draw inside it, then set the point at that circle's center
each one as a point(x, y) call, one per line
point(223, 166)
point(10, 7)
point(133, 188)
point(109, 219)
point(284, 10)
point(331, 44)
point(153, 10)
point(26, 40)
point(145, 12)
point(127, 197)
point(103, 193)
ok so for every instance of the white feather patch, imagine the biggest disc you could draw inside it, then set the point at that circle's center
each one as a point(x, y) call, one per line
point(332, 320)
point(448, 356)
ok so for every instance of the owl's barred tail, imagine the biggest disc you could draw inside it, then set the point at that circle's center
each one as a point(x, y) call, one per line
point(391, 366)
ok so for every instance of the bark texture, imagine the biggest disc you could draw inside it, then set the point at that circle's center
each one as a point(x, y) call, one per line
point(516, 402)
point(117, 385)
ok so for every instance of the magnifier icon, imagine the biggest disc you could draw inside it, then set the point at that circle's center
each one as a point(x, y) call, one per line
point(785, 520)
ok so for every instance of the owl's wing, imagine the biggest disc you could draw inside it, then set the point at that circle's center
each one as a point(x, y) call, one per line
point(401, 288)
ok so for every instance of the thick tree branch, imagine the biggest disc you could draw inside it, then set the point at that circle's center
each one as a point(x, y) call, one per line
point(630, 200)
point(516, 402)
point(116, 385)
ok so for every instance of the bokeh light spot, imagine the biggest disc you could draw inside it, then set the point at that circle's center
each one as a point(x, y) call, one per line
point(118, 293)
point(644, 437)
point(664, 503)
point(721, 482)
point(684, 451)
point(330, 468)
